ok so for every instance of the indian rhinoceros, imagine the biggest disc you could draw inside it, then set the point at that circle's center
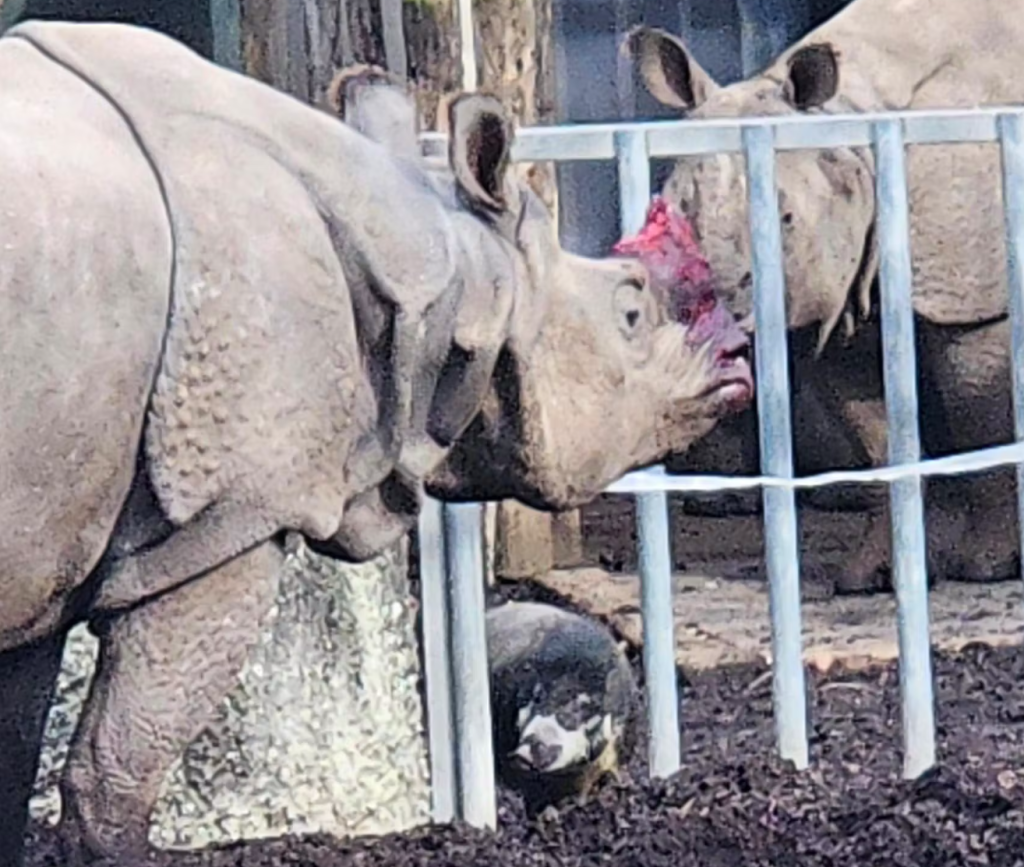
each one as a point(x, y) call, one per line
point(874, 55)
point(226, 315)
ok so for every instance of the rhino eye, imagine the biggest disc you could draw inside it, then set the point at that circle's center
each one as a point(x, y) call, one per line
point(629, 301)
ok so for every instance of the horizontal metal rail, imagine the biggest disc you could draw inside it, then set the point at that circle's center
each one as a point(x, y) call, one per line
point(989, 458)
point(887, 134)
point(574, 142)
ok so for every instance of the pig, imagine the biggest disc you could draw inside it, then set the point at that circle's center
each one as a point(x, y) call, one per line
point(564, 702)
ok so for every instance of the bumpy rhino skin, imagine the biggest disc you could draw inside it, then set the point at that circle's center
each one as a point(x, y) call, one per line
point(227, 315)
point(872, 56)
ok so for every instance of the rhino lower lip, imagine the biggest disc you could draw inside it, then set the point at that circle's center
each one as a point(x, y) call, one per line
point(735, 380)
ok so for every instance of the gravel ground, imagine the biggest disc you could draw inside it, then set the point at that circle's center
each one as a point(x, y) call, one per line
point(734, 803)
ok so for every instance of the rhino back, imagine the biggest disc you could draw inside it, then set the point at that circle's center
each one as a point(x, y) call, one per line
point(933, 54)
point(85, 269)
point(287, 222)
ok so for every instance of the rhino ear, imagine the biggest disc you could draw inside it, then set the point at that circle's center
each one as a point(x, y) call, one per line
point(479, 148)
point(378, 104)
point(667, 68)
point(813, 76)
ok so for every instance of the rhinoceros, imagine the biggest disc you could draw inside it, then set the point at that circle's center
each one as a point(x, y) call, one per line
point(874, 55)
point(226, 315)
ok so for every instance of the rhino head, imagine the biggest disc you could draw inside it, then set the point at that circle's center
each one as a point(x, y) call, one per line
point(559, 373)
point(826, 198)
point(605, 365)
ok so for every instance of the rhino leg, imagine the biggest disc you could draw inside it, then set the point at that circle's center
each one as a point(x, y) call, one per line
point(163, 669)
point(216, 535)
point(28, 676)
point(972, 374)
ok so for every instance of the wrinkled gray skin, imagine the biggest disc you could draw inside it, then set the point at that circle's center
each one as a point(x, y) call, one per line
point(564, 702)
point(226, 315)
point(872, 56)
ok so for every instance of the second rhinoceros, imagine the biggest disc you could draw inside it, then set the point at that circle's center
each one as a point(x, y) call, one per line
point(874, 55)
point(224, 315)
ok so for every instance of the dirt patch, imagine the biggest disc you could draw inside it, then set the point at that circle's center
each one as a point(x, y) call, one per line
point(708, 542)
point(735, 804)
point(721, 622)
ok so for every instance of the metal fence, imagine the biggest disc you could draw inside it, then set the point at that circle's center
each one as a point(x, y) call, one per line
point(450, 536)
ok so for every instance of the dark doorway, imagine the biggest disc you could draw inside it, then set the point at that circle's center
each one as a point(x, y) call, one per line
point(186, 20)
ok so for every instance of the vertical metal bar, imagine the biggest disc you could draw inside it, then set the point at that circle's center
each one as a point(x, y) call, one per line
point(226, 24)
point(437, 662)
point(394, 37)
point(467, 45)
point(782, 551)
point(1011, 140)
point(470, 675)
point(910, 570)
point(655, 551)
point(755, 42)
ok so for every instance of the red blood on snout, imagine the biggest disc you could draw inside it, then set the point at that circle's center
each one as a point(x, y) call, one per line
point(667, 246)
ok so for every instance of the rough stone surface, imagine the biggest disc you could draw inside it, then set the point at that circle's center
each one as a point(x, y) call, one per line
point(323, 733)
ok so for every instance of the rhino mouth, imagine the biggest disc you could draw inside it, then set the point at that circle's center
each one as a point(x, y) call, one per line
point(732, 378)
point(735, 382)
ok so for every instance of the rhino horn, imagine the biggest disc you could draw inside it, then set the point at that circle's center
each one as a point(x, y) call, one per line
point(668, 69)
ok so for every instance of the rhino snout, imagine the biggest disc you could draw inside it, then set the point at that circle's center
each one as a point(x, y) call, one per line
point(711, 323)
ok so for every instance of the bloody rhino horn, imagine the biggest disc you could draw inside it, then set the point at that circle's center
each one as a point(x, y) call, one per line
point(667, 245)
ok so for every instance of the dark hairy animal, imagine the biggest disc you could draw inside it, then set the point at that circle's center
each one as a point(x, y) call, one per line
point(564, 702)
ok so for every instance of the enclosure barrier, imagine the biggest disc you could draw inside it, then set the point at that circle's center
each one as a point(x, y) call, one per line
point(451, 560)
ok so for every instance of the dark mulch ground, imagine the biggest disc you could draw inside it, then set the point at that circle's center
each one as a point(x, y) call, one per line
point(734, 804)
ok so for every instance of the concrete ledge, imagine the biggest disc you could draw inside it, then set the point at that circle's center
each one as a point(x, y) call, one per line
point(720, 622)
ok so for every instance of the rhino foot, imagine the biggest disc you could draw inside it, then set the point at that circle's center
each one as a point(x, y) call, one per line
point(984, 568)
point(75, 853)
point(986, 549)
point(860, 580)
